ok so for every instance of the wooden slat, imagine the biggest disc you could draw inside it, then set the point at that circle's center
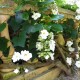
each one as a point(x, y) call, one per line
point(50, 75)
point(8, 67)
point(34, 73)
point(7, 76)
point(63, 68)
point(10, 10)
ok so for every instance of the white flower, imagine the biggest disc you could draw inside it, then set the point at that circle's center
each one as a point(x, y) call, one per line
point(39, 45)
point(52, 56)
point(52, 35)
point(16, 56)
point(77, 64)
point(77, 17)
point(35, 16)
point(43, 34)
point(70, 2)
point(55, 11)
point(16, 71)
point(26, 70)
point(25, 55)
point(79, 48)
point(77, 56)
point(69, 60)
point(71, 49)
point(47, 57)
point(77, 3)
point(69, 43)
point(78, 11)
point(52, 45)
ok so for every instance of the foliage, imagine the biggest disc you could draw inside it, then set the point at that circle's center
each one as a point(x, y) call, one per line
point(68, 29)
point(40, 18)
point(2, 26)
point(26, 25)
point(3, 46)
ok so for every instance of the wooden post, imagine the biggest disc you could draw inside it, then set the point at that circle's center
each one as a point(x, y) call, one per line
point(5, 33)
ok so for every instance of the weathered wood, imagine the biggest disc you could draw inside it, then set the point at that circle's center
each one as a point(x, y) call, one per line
point(63, 68)
point(34, 73)
point(7, 76)
point(10, 9)
point(49, 75)
point(4, 68)
point(18, 77)
point(9, 66)
point(5, 33)
point(1, 78)
point(62, 54)
point(60, 40)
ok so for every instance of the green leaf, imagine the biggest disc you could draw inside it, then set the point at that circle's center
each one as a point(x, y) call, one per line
point(13, 24)
point(18, 8)
point(3, 43)
point(57, 17)
point(33, 40)
point(1, 61)
point(74, 34)
point(60, 2)
point(47, 27)
point(57, 28)
point(19, 40)
point(2, 26)
point(29, 28)
point(46, 1)
point(25, 16)
point(6, 52)
point(49, 1)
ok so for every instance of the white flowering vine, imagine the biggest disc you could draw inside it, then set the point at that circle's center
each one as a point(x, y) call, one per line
point(25, 55)
point(35, 16)
point(69, 60)
point(16, 57)
point(69, 43)
point(77, 64)
point(43, 34)
point(45, 45)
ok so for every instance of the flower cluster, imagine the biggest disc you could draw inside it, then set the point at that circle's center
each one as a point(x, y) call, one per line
point(25, 56)
point(78, 13)
point(69, 45)
point(69, 60)
point(45, 45)
point(70, 2)
point(73, 2)
point(77, 3)
point(16, 71)
point(55, 11)
point(35, 16)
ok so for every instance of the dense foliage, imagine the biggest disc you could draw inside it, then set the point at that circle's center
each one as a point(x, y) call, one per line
point(40, 27)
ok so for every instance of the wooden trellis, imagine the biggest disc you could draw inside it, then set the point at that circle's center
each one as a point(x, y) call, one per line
point(45, 71)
